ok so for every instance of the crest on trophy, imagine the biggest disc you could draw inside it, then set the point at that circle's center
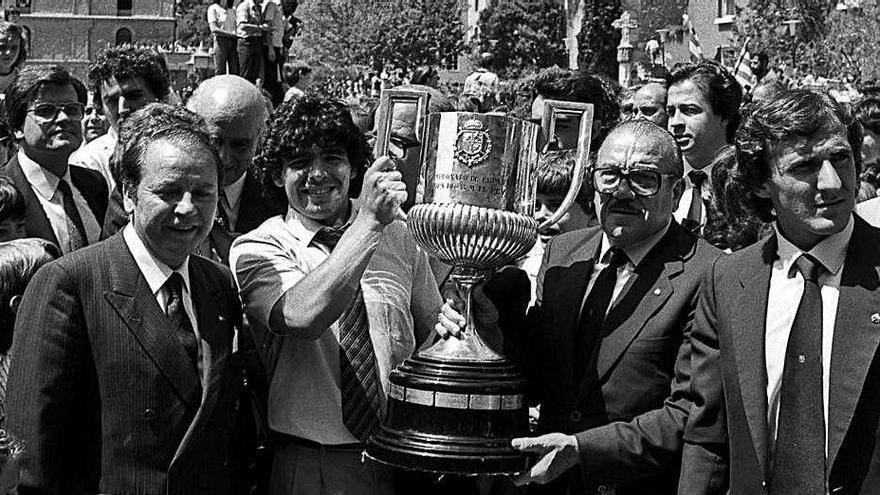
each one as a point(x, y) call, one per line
point(473, 144)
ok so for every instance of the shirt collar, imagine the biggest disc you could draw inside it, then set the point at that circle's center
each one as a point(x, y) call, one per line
point(830, 251)
point(154, 271)
point(43, 181)
point(638, 251)
point(707, 169)
point(233, 191)
point(305, 228)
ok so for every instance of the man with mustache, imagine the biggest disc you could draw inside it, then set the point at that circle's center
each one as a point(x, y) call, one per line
point(786, 347)
point(703, 107)
point(608, 337)
point(337, 294)
point(65, 204)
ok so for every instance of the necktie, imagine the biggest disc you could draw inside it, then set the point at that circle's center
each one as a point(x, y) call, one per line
point(799, 457)
point(594, 311)
point(76, 231)
point(176, 313)
point(4, 377)
point(223, 209)
point(694, 218)
point(359, 375)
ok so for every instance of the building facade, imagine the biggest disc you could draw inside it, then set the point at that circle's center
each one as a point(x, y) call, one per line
point(73, 32)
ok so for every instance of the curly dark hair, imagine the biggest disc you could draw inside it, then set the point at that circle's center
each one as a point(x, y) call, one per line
point(125, 62)
point(154, 122)
point(28, 83)
point(298, 125)
point(12, 204)
point(796, 112)
point(724, 93)
point(15, 31)
point(868, 112)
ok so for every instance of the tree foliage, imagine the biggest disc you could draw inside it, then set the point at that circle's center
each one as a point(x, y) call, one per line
point(598, 40)
point(829, 43)
point(192, 23)
point(523, 34)
point(400, 33)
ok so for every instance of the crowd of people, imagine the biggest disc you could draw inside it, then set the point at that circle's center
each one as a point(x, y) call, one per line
point(208, 296)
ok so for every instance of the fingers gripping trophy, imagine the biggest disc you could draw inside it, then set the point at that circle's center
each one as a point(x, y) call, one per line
point(453, 408)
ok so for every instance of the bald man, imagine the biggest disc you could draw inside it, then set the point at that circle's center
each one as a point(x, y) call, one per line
point(607, 339)
point(236, 115)
point(649, 103)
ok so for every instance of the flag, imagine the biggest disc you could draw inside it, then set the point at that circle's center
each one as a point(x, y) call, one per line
point(694, 45)
point(742, 71)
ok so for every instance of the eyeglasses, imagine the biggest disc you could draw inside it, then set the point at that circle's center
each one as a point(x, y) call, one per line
point(647, 111)
point(641, 181)
point(399, 148)
point(49, 111)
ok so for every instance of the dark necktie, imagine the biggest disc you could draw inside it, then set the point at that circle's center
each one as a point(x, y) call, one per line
point(76, 231)
point(799, 457)
point(594, 311)
point(176, 313)
point(694, 219)
point(362, 407)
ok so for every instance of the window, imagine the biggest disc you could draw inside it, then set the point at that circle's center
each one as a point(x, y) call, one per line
point(123, 7)
point(123, 36)
point(726, 8)
point(24, 6)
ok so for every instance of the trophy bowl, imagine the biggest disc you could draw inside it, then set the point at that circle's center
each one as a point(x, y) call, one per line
point(454, 407)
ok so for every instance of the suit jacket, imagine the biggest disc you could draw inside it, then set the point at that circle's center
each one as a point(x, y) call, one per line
point(102, 393)
point(89, 183)
point(643, 350)
point(726, 440)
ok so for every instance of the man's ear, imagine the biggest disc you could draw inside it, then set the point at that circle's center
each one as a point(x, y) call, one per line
point(763, 191)
point(14, 302)
point(128, 201)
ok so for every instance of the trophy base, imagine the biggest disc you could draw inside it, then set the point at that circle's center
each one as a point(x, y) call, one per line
point(453, 417)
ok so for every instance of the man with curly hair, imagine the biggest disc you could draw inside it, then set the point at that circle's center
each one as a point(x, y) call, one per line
point(337, 294)
point(785, 346)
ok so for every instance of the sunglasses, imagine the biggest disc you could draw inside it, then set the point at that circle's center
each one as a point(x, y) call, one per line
point(641, 181)
point(49, 111)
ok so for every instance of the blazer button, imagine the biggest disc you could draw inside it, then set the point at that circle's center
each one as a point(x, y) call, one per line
point(149, 414)
point(575, 416)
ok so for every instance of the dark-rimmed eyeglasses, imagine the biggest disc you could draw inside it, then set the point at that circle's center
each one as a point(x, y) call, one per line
point(641, 181)
point(49, 111)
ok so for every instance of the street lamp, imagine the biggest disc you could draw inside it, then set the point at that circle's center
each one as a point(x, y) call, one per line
point(791, 24)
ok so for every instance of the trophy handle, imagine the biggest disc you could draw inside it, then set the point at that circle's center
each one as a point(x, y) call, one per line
point(577, 177)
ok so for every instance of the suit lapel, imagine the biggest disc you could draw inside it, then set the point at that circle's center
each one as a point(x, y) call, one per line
point(88, 185)
point(36, 223)
point(856, 336)
point(132, 299)
point(747, 335)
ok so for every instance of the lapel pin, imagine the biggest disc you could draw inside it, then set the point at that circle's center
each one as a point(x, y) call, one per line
point(875, 318)
point(223, 318)
point(658, 291)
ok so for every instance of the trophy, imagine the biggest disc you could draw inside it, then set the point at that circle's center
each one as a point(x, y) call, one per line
point(454, 407)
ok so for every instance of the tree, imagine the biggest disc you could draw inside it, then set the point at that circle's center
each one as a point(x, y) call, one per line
point(523, 35)
point(399, 33)
point(597, 41)
point(192, 23)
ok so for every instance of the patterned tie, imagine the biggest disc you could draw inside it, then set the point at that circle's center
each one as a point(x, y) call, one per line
point(4, 376)
point(176, 313)
point(594, 311)
point(694, 219)
point(76, 231)
point(362, 407)
point(799, 457)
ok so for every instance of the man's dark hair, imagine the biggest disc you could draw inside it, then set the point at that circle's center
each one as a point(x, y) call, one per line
point(797, 112)
point(155, 122)
point(12, 205)
point(301, 124)
point(555, 83)
point(19, 261)
point(554, 175)
point(423, 74)
point(28, 83)
point(867, 112)
point(126, 62)
point(717, 84)
point(15, 31)
point(294, 71)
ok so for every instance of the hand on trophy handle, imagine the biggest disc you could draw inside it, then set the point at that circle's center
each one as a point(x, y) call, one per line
point(452, 320)
point(383, 191)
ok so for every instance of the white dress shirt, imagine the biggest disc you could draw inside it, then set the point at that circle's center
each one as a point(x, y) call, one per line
point(96, 156)
point(786, 289)
point(636, 253)
point(684, 204)
point(45, 186)
point(156, 273)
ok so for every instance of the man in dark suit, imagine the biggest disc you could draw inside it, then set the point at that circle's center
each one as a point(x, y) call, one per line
point(122, 381)
point(608, 336)
point(236, 114)
point(64, 204)
point(785, 362)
